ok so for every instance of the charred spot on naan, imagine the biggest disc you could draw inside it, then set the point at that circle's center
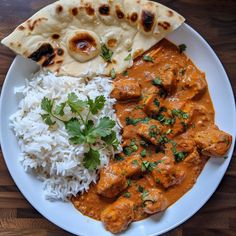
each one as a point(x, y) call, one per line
point(83, 42)
point(90, 11)
point(119, 13)
point(74, 11)
point(147, 20)
point(59, 9)
point(112, 43)
point(83, 45)
point(44, 55)
point(134, 17)
point(104, 10)
point(21, 28)
point(170, 13)
point(60, 51)
point(32, 24)
point(55, 36)
point(165, 25)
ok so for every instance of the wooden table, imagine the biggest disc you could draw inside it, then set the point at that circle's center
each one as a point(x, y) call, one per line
point(215, 20)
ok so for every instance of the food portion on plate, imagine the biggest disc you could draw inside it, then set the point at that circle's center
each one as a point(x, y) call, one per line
point(73, 37)
point(168, 134)
point(131, 131)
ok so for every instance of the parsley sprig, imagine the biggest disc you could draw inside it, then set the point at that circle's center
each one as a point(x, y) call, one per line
point(80, 128)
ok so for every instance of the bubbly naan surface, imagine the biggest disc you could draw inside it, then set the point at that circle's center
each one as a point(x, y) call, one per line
point(69, 36)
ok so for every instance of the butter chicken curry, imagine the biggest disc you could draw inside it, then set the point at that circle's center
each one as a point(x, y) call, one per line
point(169, 133)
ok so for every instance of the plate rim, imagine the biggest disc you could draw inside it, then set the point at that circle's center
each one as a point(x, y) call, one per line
point(206, 198)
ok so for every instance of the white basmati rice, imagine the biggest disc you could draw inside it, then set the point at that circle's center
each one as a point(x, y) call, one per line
point(46, 152)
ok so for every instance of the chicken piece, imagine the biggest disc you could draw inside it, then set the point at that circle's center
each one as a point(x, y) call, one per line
point(112, 181)
point(193, 158)
point(113, 178)
point(129, 132)
point(168, 81)
point(193, 87)
point(166, 174)
point(185, 145)
point(151, 100)
point(188, 146)
point(132, 166)
point(150, 131)
point(213, 141)
point(125, 89)
point(154, 201)
point(152, 104)
point(118, 215)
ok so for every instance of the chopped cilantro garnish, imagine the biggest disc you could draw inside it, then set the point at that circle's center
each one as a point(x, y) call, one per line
point(153, 131)
point(140, 188)
point(129, 182)
point(180, 156)
point(182, 48)
point(169, 121)
point(127, 151)
point(106, 53)
point(148, 166)
point(128, 58)
point(163, 139)
point(185, 126)
point(148, 58)
point(130, 121)
point(113, 73)
point(169, 131)
point(127, 194)
point(60, 109)
point(125, 73)
point(117, 157)
point(135, 162)
point(111, 140)
point(180, 114)
point(157, 81)
point(143, 153)
point(156, 102)
point(91, 159)
point(97, 104)
point(160, 117)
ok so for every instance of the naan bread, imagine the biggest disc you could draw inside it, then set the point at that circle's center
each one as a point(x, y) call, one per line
point(68, 36)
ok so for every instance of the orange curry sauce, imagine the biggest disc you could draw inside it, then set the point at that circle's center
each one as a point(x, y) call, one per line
point(190, 94)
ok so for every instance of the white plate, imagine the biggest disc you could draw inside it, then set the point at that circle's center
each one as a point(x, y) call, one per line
point(64, 214)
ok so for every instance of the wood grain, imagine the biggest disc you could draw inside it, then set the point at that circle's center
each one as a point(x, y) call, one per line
point(215, 20)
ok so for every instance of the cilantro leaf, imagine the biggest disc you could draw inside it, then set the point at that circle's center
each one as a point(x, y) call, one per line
point(157, 81)
point(180, 114)
point(103, 129)
point(135, 121)
point(60, 109)
point(147, 58)
point(47, 104)
point(73, 128)
point(76, 105)
point(47, 119)
point(91, 159)
point(106, 53)
point(113, 73)
point(128, 58)
point(182, 48)
point(125, 73)
point(97, 104)
point(111, 140)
